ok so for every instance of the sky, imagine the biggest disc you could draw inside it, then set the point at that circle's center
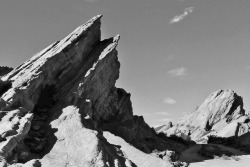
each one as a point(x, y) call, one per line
point(173, 53)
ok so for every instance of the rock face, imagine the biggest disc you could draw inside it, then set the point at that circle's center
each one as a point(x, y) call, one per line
point(5, 70)
point(165, 127)
point(221, 114)
point(55, 107)
point(4, 86)
point(220, 105)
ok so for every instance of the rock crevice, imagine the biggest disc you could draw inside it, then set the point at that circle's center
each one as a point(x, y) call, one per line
point(221, 114)
point(55, 106)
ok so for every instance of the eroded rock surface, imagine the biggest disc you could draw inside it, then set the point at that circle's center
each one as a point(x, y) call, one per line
point(55, 107)
point(221, 114)
point(221, 105)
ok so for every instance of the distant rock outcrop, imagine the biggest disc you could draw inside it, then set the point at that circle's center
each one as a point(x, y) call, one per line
point(55, 107)
point(221, 105)
point(164, 127)
point(221, 114)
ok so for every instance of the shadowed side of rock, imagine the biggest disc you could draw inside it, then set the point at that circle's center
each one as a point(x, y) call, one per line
point(4, 86)
point(28, 80)
point(5, 70)
point(23, 112)
point(55, 106)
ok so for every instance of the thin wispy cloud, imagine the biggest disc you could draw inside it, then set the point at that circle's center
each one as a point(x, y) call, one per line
point(162, 113)
point(178, 18)
point(169, 100)
point(177, 72)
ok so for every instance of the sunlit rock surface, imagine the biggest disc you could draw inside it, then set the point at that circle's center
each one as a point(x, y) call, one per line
point(221, 114)
point(164, 127)
point(55, 106)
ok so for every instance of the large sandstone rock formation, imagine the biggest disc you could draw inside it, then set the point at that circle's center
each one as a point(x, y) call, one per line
point(55, 107)
point(221, 114)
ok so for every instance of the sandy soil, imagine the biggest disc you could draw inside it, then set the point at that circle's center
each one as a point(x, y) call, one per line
point(192, 156)
point(244, 161)
point(136, 156)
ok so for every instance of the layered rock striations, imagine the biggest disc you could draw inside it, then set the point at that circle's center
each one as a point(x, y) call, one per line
point(221, 105)
point(55, 107)
point(221, 114)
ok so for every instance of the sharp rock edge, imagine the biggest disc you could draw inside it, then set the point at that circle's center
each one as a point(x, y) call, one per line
point(61, 108)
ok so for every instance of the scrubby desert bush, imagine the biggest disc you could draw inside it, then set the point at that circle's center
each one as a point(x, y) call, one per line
point(162, 135)
point(221, 140)
point(176, 138)
point(214, 151)
point(181, 140)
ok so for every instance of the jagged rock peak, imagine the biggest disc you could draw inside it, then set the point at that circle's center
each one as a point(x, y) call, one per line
point(219, 114)
point(53, 77)
point(217, 106)
point(54, 50)
point(223, 94)
point(55, 106)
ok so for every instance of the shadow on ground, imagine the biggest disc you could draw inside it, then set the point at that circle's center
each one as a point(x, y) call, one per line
point(202, 152)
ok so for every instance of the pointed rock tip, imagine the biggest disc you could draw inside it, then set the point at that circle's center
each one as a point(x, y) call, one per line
point(223, 90)
point(116, 38)
point(93, 19)
point(97, 17)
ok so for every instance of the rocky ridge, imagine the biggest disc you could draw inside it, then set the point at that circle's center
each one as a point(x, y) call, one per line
point(61, 108)
point(221, 114)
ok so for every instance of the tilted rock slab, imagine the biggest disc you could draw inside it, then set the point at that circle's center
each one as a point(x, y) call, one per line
point(55, 106)
point(220, 114)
